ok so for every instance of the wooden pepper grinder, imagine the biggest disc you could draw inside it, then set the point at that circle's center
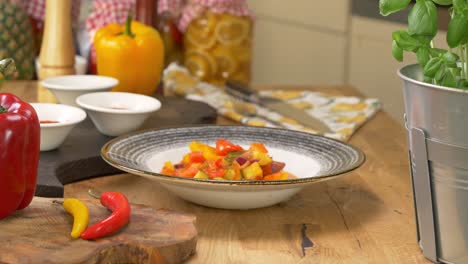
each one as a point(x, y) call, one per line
point(146, 12)
point(57, 55)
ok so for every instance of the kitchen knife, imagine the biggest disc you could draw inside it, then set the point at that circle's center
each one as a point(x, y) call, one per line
point(246, 93)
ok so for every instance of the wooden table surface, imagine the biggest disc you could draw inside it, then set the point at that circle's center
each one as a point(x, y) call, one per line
point(365, 216)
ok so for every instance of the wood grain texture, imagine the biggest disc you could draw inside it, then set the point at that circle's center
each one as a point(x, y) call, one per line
point(366, 216)
point(40, 234)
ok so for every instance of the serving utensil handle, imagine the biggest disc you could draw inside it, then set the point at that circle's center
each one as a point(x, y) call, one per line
point(242, 91)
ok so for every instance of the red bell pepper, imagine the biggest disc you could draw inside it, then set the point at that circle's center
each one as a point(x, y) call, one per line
point(19, 153)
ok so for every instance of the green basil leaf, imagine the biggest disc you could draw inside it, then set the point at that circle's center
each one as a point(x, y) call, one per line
point(427, 79)
point(443, 2)
point(462, 84)
point(397, 52)
point(440, 73)
point(423, 56)
point(405, 40)
point(459, 5)
point(388, 7)
point(425, 40)
point(449, 80)
point(422, 19)
point(432, 66)
point(457, 32)
point(452, 65)
point(456, 72)
point(450, 57)
point(436, 52)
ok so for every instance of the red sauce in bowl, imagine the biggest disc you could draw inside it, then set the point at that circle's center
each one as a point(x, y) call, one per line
point(48, 122)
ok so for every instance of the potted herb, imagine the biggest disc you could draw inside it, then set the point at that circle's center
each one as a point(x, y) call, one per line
point(436, 106)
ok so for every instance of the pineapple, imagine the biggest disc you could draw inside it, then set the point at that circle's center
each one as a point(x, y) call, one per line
point(16, 39)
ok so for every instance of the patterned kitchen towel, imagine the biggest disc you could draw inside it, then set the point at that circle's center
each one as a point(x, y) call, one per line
point(343, 114)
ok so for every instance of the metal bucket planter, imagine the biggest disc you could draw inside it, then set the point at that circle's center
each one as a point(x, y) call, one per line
point(437, 126)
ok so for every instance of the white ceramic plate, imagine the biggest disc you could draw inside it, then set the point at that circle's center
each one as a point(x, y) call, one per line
point(309, 157)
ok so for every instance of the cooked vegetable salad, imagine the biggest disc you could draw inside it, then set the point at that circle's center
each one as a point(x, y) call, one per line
point(227, 161)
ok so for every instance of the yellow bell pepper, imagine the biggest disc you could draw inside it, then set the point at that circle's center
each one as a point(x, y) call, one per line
point(132, 53)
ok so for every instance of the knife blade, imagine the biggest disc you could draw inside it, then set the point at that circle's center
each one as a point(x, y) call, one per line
point(246, 93)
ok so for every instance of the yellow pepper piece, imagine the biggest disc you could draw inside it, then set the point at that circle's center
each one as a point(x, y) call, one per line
point(263, 158)
point(80, 214)
point(252, 172)
point(132, 53)
point(209, 153)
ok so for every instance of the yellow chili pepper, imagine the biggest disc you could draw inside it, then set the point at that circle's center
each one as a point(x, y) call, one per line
point(80, 214)
point(132, 53)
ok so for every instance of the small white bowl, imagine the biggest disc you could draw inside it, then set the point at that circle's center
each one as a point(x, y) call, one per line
point(68, 87)
point(81, 64)
point(53, 134)
point(117, 113)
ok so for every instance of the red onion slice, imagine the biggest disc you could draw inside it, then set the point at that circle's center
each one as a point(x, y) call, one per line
point(241, 160)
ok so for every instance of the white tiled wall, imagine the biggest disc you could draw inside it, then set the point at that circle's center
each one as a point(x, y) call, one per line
point(330, 14)
point(372, 69)
point(299, 42)
point(308, 42)
point(285, 54)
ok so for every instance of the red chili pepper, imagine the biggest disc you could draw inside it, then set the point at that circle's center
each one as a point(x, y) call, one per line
point(19, 153)
point(120, 207)
point(223, 147)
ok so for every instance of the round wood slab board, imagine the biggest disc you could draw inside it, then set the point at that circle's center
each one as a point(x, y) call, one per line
point(41, 234)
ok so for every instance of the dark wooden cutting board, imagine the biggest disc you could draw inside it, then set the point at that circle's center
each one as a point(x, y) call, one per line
point(78, 158)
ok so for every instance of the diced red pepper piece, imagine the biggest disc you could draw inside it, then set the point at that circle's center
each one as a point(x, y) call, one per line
point(219, 163)
point(188, 171)
point(266, 169)
point(196, 157)
point(214, 173)
point(223, 147)
point(213, 170)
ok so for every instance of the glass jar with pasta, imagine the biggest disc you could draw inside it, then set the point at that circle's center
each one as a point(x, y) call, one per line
point(218, 40)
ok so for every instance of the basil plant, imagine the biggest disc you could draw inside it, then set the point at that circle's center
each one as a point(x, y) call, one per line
point(441, 67)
